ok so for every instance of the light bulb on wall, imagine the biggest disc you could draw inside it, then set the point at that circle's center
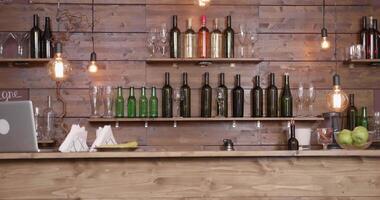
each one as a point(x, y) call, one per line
point(337, 99)
point(59, 67)
point(325, 43)
point(93, 68)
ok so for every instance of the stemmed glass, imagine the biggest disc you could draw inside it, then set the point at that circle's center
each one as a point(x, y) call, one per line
point(163, 36)
point(376, 125)
point(300, 99)
point(177, 100)
point(151, 42)
point(3, 38)
point(310, 99)
point(20, 38)
point(252, 37)
point(325, 137)
point(242, 36)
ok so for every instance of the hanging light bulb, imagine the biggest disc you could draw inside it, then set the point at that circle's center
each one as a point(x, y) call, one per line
point(93, 68)
point(337, 99)
point(59, 67)
point(325, 43)
point(202, 3)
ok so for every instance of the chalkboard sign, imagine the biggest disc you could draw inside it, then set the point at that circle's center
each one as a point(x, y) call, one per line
point(14, 94)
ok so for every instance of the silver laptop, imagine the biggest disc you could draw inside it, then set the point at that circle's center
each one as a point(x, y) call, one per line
point(17, 129)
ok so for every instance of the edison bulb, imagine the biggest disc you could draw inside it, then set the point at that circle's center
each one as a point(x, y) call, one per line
point(202, 3)
point(59, 68)
point(337, 99)
point(325, 43)
point(93, 68)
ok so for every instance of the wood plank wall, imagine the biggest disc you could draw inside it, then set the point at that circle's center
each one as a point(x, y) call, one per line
point(289, 38)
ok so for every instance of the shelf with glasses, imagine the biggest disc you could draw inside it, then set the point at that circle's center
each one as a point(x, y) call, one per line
point(371, 62)
point(24, 61)
point(201, 119)
point(203, 61)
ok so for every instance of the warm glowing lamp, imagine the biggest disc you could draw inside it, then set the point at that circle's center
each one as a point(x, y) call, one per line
point(202, 3)
point(92, 67)
point(337, 99)
point(59, 67)
point(325, 43)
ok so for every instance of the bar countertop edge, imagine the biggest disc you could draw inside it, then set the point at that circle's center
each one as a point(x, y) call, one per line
point(190, 154)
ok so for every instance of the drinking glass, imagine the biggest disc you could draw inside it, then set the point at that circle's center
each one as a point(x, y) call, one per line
point(177, 100)
point(303, 136)
point(163, 37)
point(252, 37)
point(242, 36)
point(95, 100)
point(108, 101)
point(21, 38)
point(151, 42)
point(3, 38)
point(220, 101)
point(300, 100)
point(325, 137)
point(376, 125)
point(310, 99)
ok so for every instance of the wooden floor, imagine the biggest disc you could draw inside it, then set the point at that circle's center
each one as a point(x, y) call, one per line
point(282, 178)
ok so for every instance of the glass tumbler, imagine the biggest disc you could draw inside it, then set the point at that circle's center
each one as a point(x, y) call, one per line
point(108, 101)
point(95, 100)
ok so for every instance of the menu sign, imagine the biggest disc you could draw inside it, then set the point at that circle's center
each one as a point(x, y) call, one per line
point(14, 94)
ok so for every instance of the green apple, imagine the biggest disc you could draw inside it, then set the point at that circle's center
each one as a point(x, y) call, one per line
point(360, 135)
point(344, 137)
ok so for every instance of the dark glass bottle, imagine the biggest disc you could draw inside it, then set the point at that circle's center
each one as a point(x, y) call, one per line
point(119, 103)
point(257, 99)
point(238, 99)
point(47, 41)
point(286, 99)
point(204, 43)
point(167, 98)
point(206, 96)
point(376, 38)
point(222, 97)
point(131, 103)
point(35, 38)
point(363, 34)
point(272, 97)
point(351, 113)
point(293, 142)
point(175, 40)
point(153, 104)
point(364, 117)
point(185, 104)
point(371, 52)
point(228, 40)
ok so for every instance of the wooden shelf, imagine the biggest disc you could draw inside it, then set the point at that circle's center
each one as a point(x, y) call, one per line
point(202, 61)
point(372, 62)
point(24, 61)
point(191, 154)
point(199, 119)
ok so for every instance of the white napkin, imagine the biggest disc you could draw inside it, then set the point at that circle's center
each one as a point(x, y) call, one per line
point(103, 136)
point(75, 141)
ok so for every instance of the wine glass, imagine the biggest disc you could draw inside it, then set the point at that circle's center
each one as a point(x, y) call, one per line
point(177, 100)
point(20, 38)
point(242, 36)
point(163, 36)
point(3, 38)
point(325, 137)
point(300, 99)
point(151, 42)
point(252, 37)
point(310, 99)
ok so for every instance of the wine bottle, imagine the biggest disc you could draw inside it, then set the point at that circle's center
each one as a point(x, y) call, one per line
point(35, 38)
point(238, 99)
point(286, 99)
point(363, 35)
point(351, 114)
point(371, 41)
point(47, 41)
point(49, 121)
point(119, 103)
point(167, 98)
point(175, 38)
point(364, 117)
point(257, 99)
point(376, 39)
point(206, 96)
point(222, 98)
point(293, 142)
point(216, 41)
point(190, 41)
point(143, 103)
point(131, 103)
point(185, 104)
point(203, 40)
point(153, 104)
point(272, 97)
point(228, 40)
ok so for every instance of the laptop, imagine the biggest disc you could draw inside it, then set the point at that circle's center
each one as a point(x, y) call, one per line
point(17, 129)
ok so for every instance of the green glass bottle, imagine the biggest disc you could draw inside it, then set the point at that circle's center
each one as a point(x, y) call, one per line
point(185, 103)
point(143, 103)
point(351, 113)
point(131, 103)
point(119, 103)
point(206, 96)
point(364, 117)
point(257, 99)
point(286, 99)
point(272, 97)
point(153, 104)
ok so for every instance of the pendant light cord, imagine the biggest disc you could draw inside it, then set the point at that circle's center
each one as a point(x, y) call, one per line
point(92, 27)
point(323, 13)
point(58, 17)
point(335, 40)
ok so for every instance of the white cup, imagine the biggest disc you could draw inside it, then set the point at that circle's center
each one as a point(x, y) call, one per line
point(303, 136)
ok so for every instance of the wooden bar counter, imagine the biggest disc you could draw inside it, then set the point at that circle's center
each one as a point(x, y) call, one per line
point(269, 175)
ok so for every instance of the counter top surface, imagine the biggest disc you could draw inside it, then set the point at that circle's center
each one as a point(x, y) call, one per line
point(191, 154)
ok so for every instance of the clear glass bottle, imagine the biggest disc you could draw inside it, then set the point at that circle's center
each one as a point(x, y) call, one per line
point(216, 41)
point(190, 41)
point(49, 121)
